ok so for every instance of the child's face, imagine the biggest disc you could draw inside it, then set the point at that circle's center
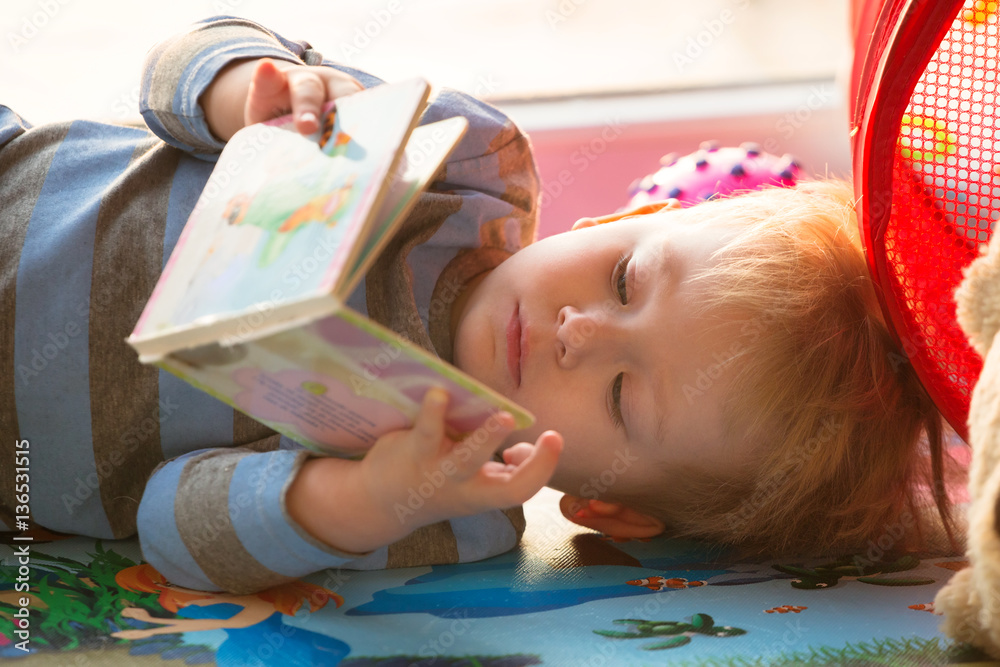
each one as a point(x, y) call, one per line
point(563, 331)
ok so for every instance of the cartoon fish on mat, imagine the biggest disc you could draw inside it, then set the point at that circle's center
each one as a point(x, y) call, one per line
point(784, 609)
point(658, 583)
point(954, 565)
point(923, 607)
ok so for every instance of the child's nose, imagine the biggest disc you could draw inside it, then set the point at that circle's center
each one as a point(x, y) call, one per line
point(580, 333)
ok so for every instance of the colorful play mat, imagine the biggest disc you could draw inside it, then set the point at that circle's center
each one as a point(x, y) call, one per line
point(567, 596)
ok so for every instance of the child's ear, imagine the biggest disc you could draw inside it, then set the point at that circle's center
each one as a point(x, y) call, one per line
point(640, 210)
point(612, 519)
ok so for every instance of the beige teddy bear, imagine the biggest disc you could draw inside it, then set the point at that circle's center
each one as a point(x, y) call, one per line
point(970, 602)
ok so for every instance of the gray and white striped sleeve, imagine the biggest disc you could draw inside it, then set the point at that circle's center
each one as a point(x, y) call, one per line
point(179, 69)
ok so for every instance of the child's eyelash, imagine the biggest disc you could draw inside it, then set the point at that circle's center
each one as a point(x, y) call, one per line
point(620, 287)
point(620, 278)
point(615, 401)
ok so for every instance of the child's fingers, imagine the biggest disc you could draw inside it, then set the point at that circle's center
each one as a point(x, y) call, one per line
point(516, 454)
point(267, 79)
point(311, 88)
point(339, 84)
point(532, 473)
point(307, 93)
point(476, 449)
point(428, 430)
point(276, 88)
point(267, 95)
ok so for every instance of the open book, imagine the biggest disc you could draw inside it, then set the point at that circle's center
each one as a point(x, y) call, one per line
point(251, 304)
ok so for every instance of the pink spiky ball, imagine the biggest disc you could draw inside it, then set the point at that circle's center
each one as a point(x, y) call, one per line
point(712, 172)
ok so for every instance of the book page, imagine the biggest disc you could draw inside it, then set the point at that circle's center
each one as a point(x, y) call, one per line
point(280, 216)
point(337, 384)
point(427, 149)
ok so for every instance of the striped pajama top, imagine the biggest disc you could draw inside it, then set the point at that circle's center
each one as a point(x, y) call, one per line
point(90, 212)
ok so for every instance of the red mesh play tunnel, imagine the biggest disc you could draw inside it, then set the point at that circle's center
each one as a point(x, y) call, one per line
point(927, 171)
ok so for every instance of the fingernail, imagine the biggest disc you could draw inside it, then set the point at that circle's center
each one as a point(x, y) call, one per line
point(308, 117)
point(436, 396)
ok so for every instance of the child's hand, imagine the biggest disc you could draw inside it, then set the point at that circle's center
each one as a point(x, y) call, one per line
point(415, 477)
point(277, 89)
point(422, 476)
point(251, 91)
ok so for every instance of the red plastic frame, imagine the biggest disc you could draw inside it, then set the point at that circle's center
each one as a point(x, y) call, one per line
point(895, 40)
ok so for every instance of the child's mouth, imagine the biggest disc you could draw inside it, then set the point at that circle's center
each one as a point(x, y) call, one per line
point(514, 346)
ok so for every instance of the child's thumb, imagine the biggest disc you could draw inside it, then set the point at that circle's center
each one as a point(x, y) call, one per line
point(267, 79)
point(516, 454)
point(264, 97)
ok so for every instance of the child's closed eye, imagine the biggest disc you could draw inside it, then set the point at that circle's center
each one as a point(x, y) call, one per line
point(620, 276)
point(615, 401)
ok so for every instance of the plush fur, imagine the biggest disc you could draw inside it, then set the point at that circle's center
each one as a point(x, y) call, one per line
point(970, 602)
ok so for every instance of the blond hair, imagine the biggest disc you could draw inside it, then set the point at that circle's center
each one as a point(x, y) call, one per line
point(830, 408)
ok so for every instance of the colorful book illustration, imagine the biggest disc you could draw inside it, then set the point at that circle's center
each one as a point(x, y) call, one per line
point(251, 306)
